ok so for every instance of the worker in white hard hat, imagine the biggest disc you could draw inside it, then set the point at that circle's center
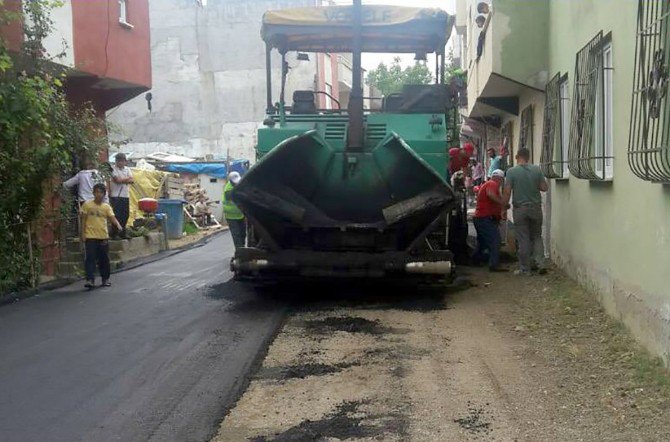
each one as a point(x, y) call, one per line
point(490, 205)
point(232, 213)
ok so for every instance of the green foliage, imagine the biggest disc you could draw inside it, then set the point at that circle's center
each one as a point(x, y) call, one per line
point(190, 228)
point(391, 79)
point(40, 134)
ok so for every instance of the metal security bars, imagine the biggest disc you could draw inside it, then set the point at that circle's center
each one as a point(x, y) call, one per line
point(585, 159)
point(526, 130)
point(649, 139)
point(551, 131)
point(507, 143)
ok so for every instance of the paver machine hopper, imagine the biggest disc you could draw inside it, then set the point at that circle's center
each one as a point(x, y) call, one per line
point(351, 192)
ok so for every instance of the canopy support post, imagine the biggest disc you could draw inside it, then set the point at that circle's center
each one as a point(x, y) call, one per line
point(268, 78)
point(355, 133)
point(443, 67)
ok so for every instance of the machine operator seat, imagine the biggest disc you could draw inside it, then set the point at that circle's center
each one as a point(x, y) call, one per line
point(303, 102)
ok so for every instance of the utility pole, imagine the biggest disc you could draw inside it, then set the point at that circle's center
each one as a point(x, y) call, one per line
point(355, 138)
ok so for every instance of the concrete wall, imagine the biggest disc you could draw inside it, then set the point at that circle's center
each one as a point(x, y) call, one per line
point(515, 46)
point(209, 79)
point(520, 29)
point(614, 237)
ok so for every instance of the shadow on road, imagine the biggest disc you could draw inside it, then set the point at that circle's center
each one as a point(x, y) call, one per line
point(339, 293)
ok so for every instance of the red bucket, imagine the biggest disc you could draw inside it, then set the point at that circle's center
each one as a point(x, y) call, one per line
point(148, 205)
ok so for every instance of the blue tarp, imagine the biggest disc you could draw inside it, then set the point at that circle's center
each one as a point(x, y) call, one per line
point(216, 170)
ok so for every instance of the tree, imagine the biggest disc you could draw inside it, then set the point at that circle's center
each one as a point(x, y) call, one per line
point(390, 79)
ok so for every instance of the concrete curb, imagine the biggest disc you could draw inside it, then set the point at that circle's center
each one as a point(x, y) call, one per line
point(132, 264)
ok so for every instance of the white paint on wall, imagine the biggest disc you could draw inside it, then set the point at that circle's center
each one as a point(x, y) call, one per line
point(60, 43)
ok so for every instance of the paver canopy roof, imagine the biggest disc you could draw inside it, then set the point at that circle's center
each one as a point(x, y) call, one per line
point(330, 29)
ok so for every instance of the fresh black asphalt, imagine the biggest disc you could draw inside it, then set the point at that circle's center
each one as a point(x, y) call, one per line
point(159, 356)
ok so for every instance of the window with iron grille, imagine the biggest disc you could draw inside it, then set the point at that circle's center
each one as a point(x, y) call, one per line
point(604, 119)
point(551, 133)
point(526, 130)
point(649, 133)
point(590, 151)
point(508, 137)
point(565, 124)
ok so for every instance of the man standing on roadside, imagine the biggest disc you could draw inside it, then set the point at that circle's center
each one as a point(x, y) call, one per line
point(119, 197)
point(233, 214)
point(487, 216)
point(495, 161)
point(84, 180)
point(523, 185)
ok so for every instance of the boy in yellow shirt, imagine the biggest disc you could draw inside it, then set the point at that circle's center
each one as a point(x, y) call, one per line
point(94, 216)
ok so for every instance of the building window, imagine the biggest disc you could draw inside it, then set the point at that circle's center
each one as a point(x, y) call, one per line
point(565, 124)
point(507, 143)
point(526, 130)
point(555, 135)
point(604, 116)
point(591, 144)
point(550, 134)
point(123, 14)
point(649, 132)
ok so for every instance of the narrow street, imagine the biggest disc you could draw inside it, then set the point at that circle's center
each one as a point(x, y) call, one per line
point(328, 221)
point(157, 356)
point(174, 348)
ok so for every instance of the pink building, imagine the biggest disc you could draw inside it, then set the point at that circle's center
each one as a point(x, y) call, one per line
point(105, 42)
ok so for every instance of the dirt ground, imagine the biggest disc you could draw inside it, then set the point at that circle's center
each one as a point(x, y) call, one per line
point(495, 358)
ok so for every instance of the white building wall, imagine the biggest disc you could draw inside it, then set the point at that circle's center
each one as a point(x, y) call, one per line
point(209, 79)
point(60, 43)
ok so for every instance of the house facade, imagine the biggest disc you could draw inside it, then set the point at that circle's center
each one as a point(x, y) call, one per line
point(583, 84)
point(104, 44)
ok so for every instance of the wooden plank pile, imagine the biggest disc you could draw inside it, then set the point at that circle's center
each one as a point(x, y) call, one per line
point(197, 209)
point(175, 187)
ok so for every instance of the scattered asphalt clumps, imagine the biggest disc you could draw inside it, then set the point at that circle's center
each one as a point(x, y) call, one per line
point(397, 352)
point(349, 324)
point(300, 371)
point(346, 422)
point(475, 422)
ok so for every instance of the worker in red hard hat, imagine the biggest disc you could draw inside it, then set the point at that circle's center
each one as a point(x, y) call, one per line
point(458, 160)
point(469, 149)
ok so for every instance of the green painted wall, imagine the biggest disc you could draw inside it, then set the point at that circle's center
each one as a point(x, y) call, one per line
point(614, 237)
point(520, 32)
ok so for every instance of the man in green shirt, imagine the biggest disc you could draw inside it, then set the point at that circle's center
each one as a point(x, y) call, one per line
point(523, 185)
point(495, 163)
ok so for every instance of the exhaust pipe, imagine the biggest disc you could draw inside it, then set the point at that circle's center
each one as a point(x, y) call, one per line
point(249, 266)
point(429, 267)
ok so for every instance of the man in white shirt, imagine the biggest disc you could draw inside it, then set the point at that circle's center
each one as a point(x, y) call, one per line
point(119, 194)
point(85, 180)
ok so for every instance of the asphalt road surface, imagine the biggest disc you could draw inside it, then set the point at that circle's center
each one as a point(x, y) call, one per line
point(158, 356)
